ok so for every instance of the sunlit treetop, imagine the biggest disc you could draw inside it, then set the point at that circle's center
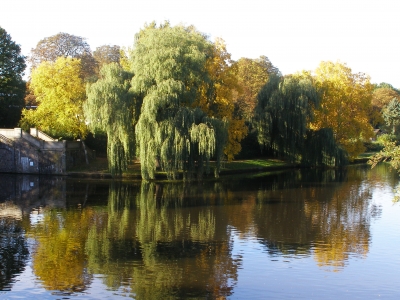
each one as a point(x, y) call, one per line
point(169, 64)
point(60, 93)
point(345, 105)
point(64, 45)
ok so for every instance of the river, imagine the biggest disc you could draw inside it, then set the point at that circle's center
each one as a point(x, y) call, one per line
point(301, 234)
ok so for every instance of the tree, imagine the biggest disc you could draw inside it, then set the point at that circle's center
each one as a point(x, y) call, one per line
point(12, 87)
point(169, 67)
point(112, 109)
point(282, 115)
point(391, 114)
point(381, 97)
point(60, 92)
point(345, 105)
point(30, 98)
point(218, 94)
point(386, 86)
point(107, 54)
point(64, 45)
point(252, 75)
point(124, 60)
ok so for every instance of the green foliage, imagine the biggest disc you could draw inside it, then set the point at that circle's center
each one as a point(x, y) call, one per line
point(60, 92)
point(384, 138)
point(390, 152)
point(283, 111)
point(112, 109)
point(381, 97)
point(391, 114)
point(12, 87)
point(321, 150)
point(169, 66)
point(250, 147)
point(372, 146)
point(385, 85)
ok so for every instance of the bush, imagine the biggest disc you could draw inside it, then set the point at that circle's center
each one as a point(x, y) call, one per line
point(373, 146)
point(383, 138)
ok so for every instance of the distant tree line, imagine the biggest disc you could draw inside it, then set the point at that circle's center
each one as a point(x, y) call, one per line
point(176, 101)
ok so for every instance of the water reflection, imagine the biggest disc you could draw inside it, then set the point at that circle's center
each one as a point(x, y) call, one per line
point(329, 221)
point(160, 240)
point(13, 249)
point(169, 250)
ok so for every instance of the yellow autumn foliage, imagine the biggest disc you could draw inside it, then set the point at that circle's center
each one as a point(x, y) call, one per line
point(345, 105)
point(381, 97)
point(218, 96)
point(60, 93)
point(252, 75)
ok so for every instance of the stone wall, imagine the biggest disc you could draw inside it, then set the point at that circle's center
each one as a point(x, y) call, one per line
point(6, 155)
point(28, 153)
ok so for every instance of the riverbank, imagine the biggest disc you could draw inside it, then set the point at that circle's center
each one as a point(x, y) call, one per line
point(99, 167)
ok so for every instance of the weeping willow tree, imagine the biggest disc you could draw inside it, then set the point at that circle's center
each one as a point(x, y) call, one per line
point(169, 67)
point(322, 150)
point(112, 108)
point(283, 113)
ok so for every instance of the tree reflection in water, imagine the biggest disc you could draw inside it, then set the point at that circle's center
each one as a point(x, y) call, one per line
point(13, 248)
point(161, 240)
point(327, 220)
point(169, 243)
point(58, 257)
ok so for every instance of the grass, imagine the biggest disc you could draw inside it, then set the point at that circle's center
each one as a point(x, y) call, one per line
point(100, 166)
point(252, 164)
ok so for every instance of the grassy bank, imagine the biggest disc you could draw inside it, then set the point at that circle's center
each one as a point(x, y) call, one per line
point(99, 167)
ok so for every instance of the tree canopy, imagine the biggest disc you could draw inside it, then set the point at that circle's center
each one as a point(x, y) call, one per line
point(64, 45)
point(391, 114)
point(111, 108)
point(283, 112)
point(12, 86)
point(252, 75)
point(345, 105)
point(286, 106)
point(180, 100)
point(60, 92)
point(169, 67)
point(107, 54)
point(218, 96)
point(381, 97)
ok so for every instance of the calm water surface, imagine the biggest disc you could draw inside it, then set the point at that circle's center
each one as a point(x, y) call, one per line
point(295, 234)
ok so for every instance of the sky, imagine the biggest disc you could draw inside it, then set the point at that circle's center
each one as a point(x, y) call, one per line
point(294, 34)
